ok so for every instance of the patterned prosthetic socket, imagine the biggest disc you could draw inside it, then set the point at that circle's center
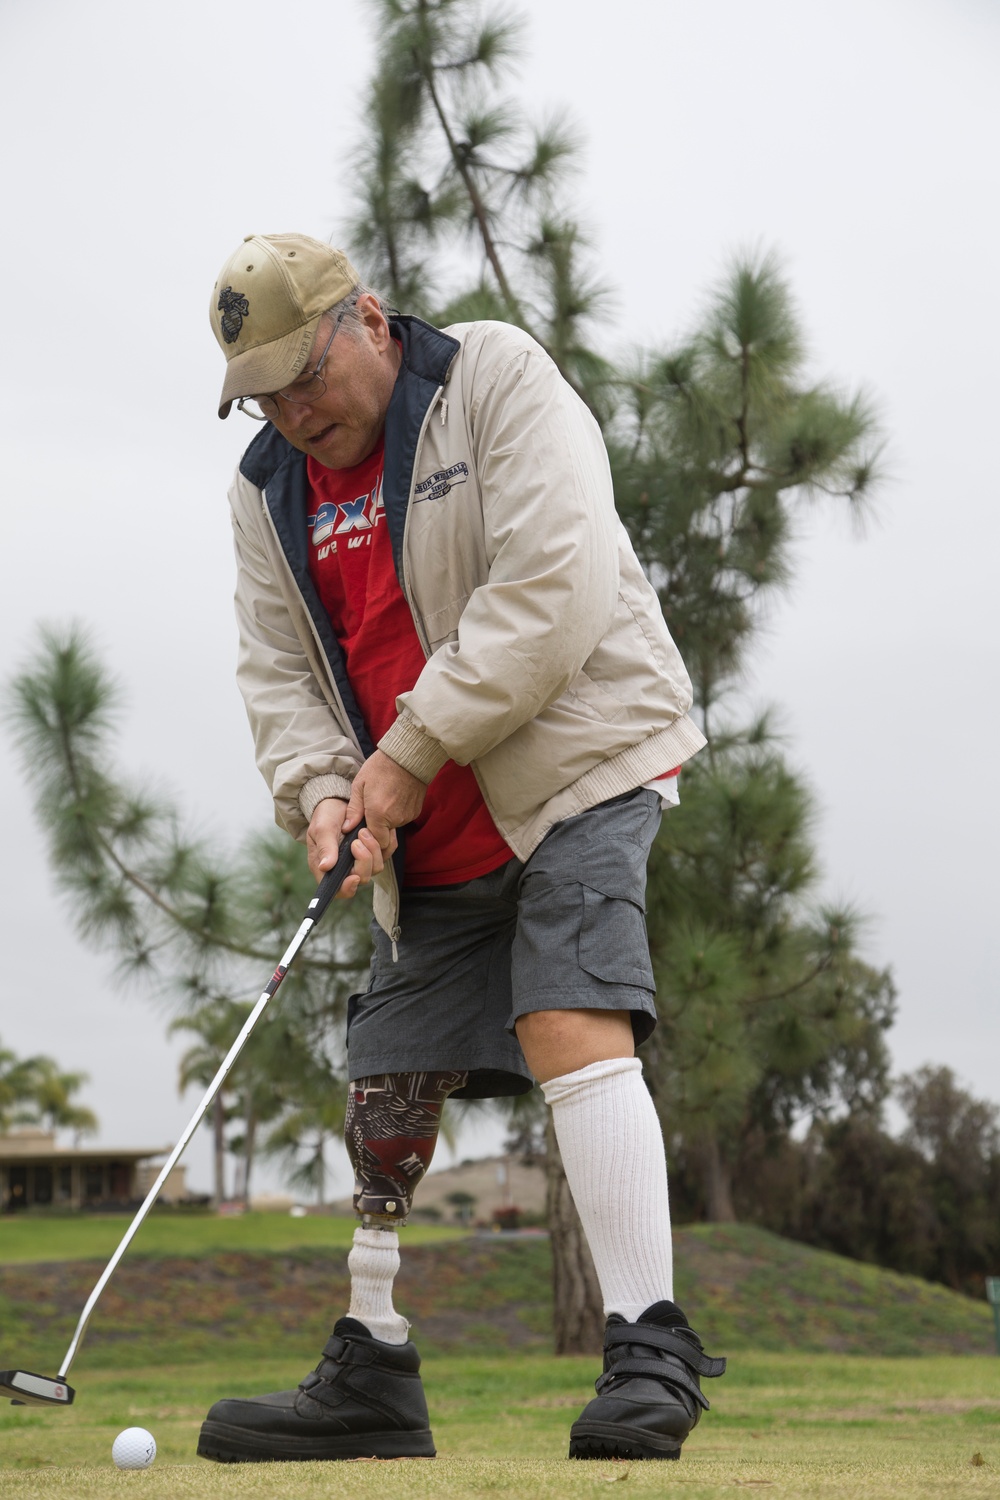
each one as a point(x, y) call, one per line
point(391, 1131)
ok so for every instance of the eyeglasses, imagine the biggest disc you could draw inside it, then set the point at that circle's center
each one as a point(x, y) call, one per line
point(308, 388)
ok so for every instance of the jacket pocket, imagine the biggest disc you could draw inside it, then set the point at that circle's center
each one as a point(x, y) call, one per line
point(596, 698)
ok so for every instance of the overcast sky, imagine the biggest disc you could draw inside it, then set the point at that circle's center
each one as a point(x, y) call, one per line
point(858, 140)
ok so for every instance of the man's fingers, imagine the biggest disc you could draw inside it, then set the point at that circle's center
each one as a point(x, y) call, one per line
point(374, 854)
point(369, 849)
point(326, 856)
point(324, 835)
point(356, 806)
point(323, 851)
point(377, 825)
point(367, 863)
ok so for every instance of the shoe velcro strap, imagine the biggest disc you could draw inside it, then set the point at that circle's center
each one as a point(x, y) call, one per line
point(667, 1340)
point(323, 1391)
point(348, 1351)
point(665, 1374)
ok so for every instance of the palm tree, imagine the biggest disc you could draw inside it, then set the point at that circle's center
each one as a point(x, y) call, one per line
point(52, 1094)
point(215, 1023)
point(17, 1082)
point(33, 1091)
point(317, 1117)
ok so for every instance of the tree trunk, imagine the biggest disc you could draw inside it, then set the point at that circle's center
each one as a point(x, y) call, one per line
point(717, 1183)
point(219, 1134)
point(577, 1305)
point(249, 1143)
point(321, 1176)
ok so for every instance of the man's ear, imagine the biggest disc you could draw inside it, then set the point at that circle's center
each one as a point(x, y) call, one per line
point(375, 321)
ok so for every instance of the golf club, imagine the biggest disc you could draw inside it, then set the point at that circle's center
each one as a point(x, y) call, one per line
point(27, 1389)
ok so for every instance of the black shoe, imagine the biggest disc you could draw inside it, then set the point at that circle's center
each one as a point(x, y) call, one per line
point(363, 1400)
point(648, 1398)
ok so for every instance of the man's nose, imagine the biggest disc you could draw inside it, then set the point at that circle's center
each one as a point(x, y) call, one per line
point(294, 413)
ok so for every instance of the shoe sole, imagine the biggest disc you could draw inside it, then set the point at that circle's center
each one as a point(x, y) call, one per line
point(612, 1440)
point(233, 1445)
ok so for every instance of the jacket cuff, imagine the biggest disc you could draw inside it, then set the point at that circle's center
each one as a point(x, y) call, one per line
point(412, 749)
point(320, 787)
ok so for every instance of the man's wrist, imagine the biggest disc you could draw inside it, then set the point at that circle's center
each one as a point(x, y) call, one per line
point(319, 788)
point(410, 747)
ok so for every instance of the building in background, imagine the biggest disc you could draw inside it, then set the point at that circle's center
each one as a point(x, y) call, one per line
point(501, 1190)
point(35, 1172)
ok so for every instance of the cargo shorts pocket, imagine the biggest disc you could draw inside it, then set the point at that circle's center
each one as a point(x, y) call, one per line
point(613, 942)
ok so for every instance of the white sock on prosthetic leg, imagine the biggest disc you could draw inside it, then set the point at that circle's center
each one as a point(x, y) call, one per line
point(612, 1149)
point(373, 1263)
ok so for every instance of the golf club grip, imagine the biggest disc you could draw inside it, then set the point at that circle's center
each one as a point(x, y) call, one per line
point(334, 879)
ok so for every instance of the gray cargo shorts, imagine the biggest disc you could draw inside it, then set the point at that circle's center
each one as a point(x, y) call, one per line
point(565, 931)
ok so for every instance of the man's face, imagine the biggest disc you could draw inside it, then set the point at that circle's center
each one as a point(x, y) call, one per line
point(342, 426)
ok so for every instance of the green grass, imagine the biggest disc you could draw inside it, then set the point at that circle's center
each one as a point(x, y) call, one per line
point(174, 1309)
point(797, 1425)
point(743, 1288)
point(27, 1237)
point(753, 1290)
point(212, 1307)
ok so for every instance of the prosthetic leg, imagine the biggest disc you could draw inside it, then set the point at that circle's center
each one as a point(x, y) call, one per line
point(365, 1398)
point(391, 1131)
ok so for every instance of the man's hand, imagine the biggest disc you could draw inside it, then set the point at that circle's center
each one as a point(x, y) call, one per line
point(386, 796)
point(323, 844)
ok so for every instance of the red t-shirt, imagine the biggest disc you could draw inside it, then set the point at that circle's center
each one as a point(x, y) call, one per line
point(350, 562)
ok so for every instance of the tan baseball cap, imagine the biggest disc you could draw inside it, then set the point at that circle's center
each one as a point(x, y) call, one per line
point(266, 306)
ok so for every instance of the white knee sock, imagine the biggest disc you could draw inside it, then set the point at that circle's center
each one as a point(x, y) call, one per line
point(373, 1263)
point(612, 1148)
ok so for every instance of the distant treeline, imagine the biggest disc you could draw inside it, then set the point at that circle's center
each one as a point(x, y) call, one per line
point(926, 1202)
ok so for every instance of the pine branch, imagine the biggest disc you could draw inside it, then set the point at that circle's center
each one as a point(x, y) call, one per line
point(460, 162)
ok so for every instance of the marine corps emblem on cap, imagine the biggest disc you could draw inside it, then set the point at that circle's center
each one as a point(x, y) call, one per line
point(292, 281)
point(234, 307)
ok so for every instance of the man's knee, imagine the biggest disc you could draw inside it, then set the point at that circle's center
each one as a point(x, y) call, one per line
point(561, 1041)
point(391, 1130)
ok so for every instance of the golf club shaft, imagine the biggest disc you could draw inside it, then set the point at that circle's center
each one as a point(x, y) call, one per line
point(325, 892)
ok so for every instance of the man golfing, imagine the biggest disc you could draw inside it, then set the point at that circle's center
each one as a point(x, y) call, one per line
point(449, 654)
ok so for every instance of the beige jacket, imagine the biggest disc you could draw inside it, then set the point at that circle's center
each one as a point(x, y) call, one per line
point(549, 669)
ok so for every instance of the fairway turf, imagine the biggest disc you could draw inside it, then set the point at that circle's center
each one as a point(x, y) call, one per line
point(47, 1238)
point(185, 1322)
point(794, 1425)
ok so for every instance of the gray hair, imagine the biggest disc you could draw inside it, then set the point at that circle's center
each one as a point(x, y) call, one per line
point(347, 307)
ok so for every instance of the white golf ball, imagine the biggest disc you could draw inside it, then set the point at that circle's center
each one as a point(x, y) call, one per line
point(135, 1448)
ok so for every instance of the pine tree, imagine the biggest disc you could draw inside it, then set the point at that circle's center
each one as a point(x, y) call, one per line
point(715, 445)
point(196, 926)
point(462, 209)
point(718, 446)
point(766, 1012)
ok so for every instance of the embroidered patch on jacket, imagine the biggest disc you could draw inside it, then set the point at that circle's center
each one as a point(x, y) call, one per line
point(234, 307)
point(436, 485)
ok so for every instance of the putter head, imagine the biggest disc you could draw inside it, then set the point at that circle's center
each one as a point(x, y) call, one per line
point(24, 1389)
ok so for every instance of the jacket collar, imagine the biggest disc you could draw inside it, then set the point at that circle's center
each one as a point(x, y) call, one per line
point(427, 352)
point(427, 358)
